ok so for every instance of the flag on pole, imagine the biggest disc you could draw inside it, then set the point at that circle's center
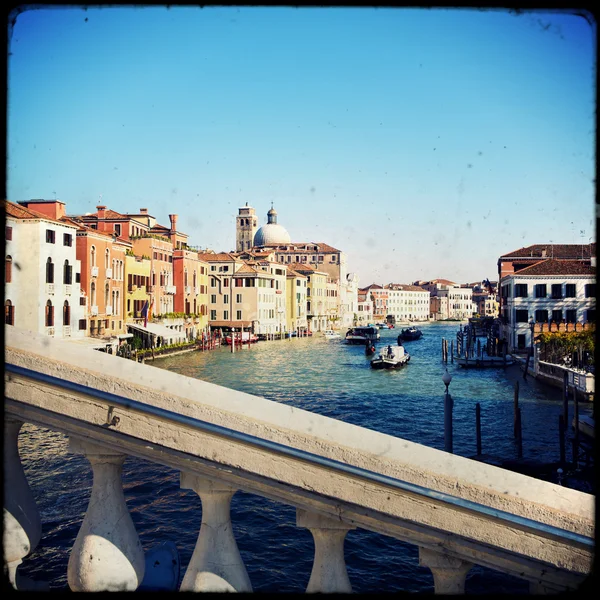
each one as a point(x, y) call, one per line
point(145, 313)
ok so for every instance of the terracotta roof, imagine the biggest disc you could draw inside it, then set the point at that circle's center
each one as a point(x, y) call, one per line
point(442, 281)
point(293, 273)
point(552, 266)
point(304, 267)
point(560, 251)
point(403, 287)
point(108, 214)
point(371, 287)
point(217, 257)
point(20, 212)
point(246, 268)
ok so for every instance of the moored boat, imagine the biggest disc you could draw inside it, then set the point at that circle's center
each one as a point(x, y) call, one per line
point(330, 334)
point(487, 361)
point(362, 335)
point(247, 338)
point(391, 358)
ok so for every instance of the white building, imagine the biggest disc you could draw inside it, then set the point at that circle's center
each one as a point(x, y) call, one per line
point(348, 300)
point(407, 302)
point(559, 291)
point(450, 300)
point(365, 308)
point(42, 291)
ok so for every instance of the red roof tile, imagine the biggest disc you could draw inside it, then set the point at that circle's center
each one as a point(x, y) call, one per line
point(552, 266)
point(20, 212)
point(559, 251)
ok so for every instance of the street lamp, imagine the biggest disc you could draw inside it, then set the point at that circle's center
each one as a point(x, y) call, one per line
point(446, 378)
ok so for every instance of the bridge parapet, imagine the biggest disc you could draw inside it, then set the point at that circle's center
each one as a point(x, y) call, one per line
point(339, 476)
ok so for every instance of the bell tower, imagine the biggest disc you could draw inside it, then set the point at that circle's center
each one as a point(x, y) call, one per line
point(245, 228)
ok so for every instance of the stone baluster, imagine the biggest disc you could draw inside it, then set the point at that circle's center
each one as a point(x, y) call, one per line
point(107, 554)
point(22, 523)
point(449, 573)
point(216, 564)
point(329, 573)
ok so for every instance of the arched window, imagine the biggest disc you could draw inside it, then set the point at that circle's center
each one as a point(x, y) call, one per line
point(121, 270)
point(93, 294)
point(49, 320)
point(66, 313)
point(185, 278)
point(9, 313)
point(49, 271)
point(93, 256)
point(107, 259)
point(106, 295)
point(195, 278)
point(67, 273)
point(116, 309)
point(8, 269)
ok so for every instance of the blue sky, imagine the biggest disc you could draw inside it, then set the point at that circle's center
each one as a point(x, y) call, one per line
point(422, 143)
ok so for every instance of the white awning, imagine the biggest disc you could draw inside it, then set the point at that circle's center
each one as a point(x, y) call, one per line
point(156, 330)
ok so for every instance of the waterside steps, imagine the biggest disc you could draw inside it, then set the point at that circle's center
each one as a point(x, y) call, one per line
point(338, 476)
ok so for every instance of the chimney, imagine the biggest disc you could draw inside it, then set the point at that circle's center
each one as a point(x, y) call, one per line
point(173, 222)
point(143, 211)
point(100, 208)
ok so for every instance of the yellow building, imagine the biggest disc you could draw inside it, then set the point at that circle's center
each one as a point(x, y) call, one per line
point(137, 276)
point(297, 285)
point(316, 297)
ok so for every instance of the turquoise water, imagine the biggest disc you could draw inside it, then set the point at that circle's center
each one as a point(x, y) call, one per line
point(330, 378)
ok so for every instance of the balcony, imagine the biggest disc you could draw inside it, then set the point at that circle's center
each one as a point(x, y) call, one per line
point(109, 311)
point(196, 290)
point(108, 273)
point(94, 271)
point(67, 290)
point(50, 331)
point(188, 290)
point(66, 331)
point(132, 288)
point(93, 310)
point(170, 289)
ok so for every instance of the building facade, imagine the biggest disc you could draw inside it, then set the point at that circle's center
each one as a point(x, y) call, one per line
point(42, 273)
point(407, 302)
point(550, 291)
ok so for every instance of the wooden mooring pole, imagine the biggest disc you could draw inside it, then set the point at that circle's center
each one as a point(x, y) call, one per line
point(566, 397)
point(478, 427)
point(576, 425)
point(452, 350)
point(519, 435)
point(515, 408)
point(448, 405)
point(561, 433)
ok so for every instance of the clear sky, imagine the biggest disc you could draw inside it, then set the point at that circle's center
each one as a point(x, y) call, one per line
point(422, 143)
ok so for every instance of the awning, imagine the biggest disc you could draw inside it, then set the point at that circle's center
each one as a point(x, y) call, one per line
point(156, 330)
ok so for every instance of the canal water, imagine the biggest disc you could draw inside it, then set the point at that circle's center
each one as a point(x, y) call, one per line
point(330, 378)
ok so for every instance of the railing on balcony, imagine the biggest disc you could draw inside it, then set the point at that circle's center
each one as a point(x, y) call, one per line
point(49, 288)
point(132, 288)
point(171, 289)
point(109, 311)
point(66, 331)
point(196, 290)
point(50, 331)
point(150, 289)
point(338, 476)
point(188, 289)
point(67, 290)
point(93, 310)
point(94, 271)
point(109, 273)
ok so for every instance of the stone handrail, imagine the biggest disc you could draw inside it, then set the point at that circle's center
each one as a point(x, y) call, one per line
point(338, 476)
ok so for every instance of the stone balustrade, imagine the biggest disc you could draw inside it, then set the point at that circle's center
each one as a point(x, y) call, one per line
point(339, 476)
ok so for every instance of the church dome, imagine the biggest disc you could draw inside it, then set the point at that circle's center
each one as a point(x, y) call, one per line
point(272, 234)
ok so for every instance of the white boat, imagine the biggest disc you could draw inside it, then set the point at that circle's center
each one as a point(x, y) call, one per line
point(391, 358)
point(362, 335)
point(330, 334)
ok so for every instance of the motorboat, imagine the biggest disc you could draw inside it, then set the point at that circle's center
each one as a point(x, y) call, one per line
point(410, 334)
point(362, 335)
point(369, 349)
point(391, 358)
point(330, 334)
point(246, 338)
